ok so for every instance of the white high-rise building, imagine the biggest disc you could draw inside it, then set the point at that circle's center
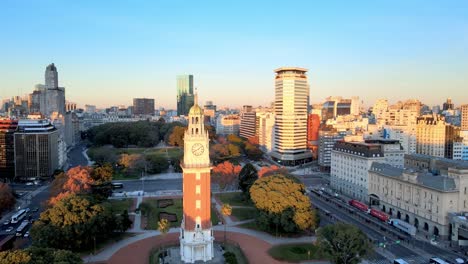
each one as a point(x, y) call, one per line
point(265, 126)
point(247, 122)
point(291, 105)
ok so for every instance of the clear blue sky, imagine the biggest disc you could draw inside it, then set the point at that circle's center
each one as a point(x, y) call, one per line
point(108, 52)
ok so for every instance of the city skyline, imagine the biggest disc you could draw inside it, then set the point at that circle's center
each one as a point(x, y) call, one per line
point(393, 50)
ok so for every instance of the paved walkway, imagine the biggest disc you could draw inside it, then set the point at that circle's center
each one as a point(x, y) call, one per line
point(136, 228)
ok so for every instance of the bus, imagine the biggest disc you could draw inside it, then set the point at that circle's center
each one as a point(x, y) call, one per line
point(399, 261)
point(437, 261)
point(20, 230)
point(18, 216)
point(117, 185)
point(403, 226)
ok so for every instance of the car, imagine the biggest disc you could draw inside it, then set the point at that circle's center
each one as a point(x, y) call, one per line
point(29, 183)
point(9, 229)
point(35, 209)
point(7, 222)
point(26, 234)
point(27, 210)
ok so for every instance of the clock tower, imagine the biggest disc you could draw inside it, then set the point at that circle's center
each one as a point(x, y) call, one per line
point(196, 236)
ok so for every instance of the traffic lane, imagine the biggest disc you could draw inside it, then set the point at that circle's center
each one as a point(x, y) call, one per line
point(396, 249)
point(150, 185)
point(76, 157)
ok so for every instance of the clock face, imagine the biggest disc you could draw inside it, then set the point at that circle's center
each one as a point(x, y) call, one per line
point(198, 149)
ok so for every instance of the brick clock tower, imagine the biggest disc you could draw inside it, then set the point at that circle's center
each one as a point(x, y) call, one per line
point(196, 236)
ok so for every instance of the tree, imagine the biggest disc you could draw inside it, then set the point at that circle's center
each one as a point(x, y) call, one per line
point(14, 257)
point(163, 227)
point(225, 174)
point(226, 210)
point(102, 174)
point(77, 180)
point(344, 243)
point(282, 200)
point(157, 164)
point(176, 137)
point(72, 223)
point(50, 255)
point(271, 170)
point(247, 176)
point(133, 163)
point(7, 199)
point(103, 155)
point(124, 222)
point(253, 152)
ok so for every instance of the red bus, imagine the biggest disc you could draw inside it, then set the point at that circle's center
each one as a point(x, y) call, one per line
point(380, 215)
point(359, 205)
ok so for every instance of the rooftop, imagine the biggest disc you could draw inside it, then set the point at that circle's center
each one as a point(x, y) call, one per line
point(426, 179)
point(291, 69)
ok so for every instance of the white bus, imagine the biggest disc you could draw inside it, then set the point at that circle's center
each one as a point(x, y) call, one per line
point(437, 261)
point(117, 185)
point(399, 261)
point(18, 216)
point(20, 230)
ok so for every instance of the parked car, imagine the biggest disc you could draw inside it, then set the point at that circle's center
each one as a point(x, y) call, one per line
point(26, 234)
point(29, 183)
point(7, 222)
point(9, 229)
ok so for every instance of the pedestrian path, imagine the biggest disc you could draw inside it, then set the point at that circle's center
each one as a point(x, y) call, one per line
point(137, 220)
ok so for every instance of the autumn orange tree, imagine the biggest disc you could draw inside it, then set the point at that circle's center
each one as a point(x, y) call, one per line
point(271, 170)
point(282, 203)
point(176, 137)
point(225, 174)
point(7, 200)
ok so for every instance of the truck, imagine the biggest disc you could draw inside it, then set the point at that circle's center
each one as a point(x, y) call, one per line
point(359, 205)
point(379, 215)
point(403, 226)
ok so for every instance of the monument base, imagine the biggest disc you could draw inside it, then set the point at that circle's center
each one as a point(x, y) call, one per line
point(196, 245)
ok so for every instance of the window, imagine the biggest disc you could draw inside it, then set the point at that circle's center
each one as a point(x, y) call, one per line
point(198, 204)
point(197, 189)
point(198, 176)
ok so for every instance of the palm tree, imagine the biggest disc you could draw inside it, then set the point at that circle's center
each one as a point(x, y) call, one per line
point(226, 210)
point(163, 227)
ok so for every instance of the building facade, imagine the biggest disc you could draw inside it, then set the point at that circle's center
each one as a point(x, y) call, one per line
point(247, 127)
point(196, 235)
point(36, 150)
point(464, 117)
point(185, 98)
point(291, 110)
point(228, 124)
point(266, 131)
point(313, 128)
point(7, 149)
point(435, 137)
point(328, 136)
point(143, 106)
point(420, 197)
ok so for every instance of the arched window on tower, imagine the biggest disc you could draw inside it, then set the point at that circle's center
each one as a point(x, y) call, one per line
point(192, 130)
point(196, 131)
point(196, 120)
point(192, 120)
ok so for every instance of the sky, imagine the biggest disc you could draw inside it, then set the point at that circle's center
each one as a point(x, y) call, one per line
point(108, 52)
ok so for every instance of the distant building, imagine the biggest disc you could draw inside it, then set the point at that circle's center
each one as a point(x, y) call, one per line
point(328, 136)
point(406, 135)
point(247, 122)
point(228, 124)
point(435, 137)
point(143, 106)
point(70, 106)
point(90, 109)
point(291, 110)
point(313, 127)
point(337, 106)
point(54, 95)
point(448, 105)
point(185, 97)
point(36, 150)
point(7, 149)
point(209, 110)
point(464, 117)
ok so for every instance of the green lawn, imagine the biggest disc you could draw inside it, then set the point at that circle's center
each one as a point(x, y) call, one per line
point(214, 216)
point(153, 219)
point(233, 199)
point(120, 205)
point(296, 252)
point(244, 213)
point(171, 152)
point(241, 259)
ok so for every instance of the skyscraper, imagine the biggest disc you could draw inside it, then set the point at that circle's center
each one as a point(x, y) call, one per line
point(291, 103)
point(51, 97)
point(247, 122)
point(51, 77)
point(185, 98)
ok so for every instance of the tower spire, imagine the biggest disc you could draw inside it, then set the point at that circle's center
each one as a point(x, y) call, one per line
point(195, 100)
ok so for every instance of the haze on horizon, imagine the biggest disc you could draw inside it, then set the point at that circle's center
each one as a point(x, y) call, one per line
point(108, 52)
